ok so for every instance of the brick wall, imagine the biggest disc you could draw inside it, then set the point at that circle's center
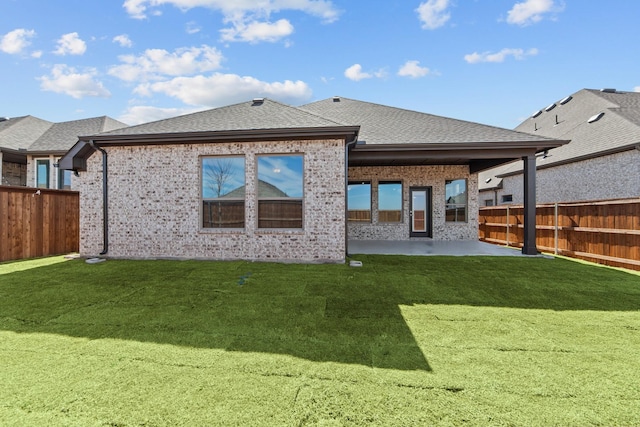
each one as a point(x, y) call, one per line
point(154, 204)
point(427, 176)
point(14, 174)
point(607, 177)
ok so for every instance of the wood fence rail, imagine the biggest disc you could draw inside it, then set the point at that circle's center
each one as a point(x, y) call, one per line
point(38, 222)
point(602, 231)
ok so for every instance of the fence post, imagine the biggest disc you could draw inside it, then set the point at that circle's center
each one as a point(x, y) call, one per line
point(555, 223)
point(507, 237)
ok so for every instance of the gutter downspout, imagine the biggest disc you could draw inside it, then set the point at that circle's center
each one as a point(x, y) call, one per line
point(347, 148)
point(105, 198)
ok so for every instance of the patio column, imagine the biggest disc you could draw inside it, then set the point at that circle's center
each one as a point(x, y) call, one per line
point(529, 247)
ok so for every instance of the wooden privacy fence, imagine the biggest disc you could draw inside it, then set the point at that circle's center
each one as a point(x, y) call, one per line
point(38, 222)
point(605, 231)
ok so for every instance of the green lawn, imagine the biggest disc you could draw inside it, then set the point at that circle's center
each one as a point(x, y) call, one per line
point(401, 341)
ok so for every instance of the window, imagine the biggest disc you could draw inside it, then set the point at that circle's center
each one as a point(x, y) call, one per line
point(389, 201)
point(359, 201)
point(488, 202)
point(223, 191)
point(507, 198)
point(456, 200)
point(280, 190)
point(42, 173)
point(64, 179)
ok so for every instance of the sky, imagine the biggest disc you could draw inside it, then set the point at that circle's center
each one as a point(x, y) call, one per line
point(487, 61)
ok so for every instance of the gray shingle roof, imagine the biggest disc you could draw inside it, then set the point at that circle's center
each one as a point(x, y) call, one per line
point(60, 137)
point(381, 124)
point(267, 114)
point(618, 129)
point(20, 132)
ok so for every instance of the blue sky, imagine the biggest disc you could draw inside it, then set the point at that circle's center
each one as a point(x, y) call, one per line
point(487, 61)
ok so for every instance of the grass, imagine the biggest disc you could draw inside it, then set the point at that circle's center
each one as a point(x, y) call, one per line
point(401, 341)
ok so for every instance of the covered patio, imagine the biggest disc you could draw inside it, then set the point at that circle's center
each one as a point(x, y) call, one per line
point(429, 247)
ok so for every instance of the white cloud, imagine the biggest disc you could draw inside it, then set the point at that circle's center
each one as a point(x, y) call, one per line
point(67, 80)
point(531, 11)
point(519, 54)
point(413, 69)
point(155, 63)
point(433, 13)
point(355, 73)
point(16, 41)
point(193, 27)
point(36, 54)
point(143, 114)
point(223, 89)
point(249, 19)
point(234, 8)
point(254, 32)
point(123, 40)
point(70, 44)
point(636, 89)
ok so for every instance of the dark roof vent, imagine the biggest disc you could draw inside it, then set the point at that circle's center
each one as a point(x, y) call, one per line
point(595, 118)
point(550, 107)
point(608, 90)
point(536, 114)
point(336, 99)
point(565, 100)
point(257, 101)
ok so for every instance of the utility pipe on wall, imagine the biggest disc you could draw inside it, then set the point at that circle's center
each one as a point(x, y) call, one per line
point(105, 198)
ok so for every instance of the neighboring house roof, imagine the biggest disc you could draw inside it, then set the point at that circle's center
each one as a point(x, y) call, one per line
point(616, 130)
point(60, 137)
point(19, 133)
point(265, 189)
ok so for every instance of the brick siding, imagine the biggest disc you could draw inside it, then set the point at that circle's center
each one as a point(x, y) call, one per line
point(155, 204)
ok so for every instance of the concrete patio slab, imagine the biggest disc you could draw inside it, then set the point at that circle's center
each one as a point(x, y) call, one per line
point(426, 247)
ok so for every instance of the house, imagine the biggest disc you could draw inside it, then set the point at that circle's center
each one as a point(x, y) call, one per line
point(262, 180)
point(16, 135)
point(601, 162)
point(31, 147)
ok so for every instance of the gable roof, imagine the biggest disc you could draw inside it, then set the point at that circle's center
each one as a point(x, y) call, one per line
point(19, 133)
point(258, 120)
point(618, 129)
point(259, 114)
point(60, 137)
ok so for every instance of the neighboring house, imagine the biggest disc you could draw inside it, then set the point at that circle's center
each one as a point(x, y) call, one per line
point(602, 161)
point(263, 180)
point(31, 147)
point(16, 135)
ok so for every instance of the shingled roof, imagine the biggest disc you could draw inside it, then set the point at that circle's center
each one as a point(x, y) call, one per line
point(258, 114)
point(381, 124)
point(386, 135)
point(598, 122)
point(60, 137)
point(19, 133)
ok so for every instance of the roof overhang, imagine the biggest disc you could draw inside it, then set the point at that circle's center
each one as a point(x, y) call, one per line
point(76, 158)
point(478, 155)
point(14, 156)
